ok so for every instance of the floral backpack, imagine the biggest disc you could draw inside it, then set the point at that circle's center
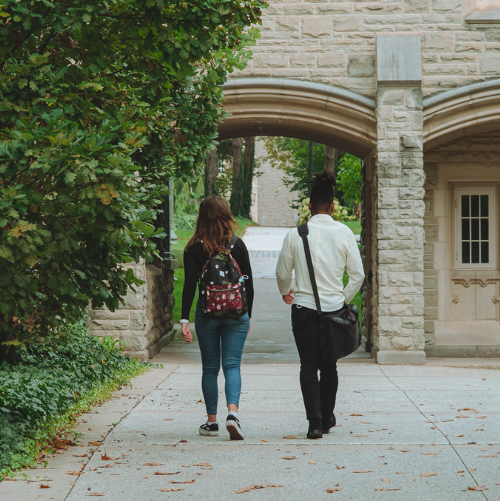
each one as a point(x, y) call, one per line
point(222, 286)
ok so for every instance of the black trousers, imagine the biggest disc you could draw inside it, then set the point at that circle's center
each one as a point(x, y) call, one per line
point(319, 395)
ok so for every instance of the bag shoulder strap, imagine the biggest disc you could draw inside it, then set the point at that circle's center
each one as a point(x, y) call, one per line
point(303, 232)
point(232, 241)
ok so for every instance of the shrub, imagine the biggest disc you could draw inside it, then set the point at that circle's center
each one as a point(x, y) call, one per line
point(340, 214)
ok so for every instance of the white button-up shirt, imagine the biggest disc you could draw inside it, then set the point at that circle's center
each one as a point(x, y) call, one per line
point(333, 248)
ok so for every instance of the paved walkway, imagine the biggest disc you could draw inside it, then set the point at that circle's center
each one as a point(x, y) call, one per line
point(404, 432)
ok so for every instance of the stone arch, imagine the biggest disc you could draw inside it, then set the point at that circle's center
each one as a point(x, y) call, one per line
point(464, 111)
point(295, 108)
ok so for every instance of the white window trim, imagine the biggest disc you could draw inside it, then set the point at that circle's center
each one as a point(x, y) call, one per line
point(492, 229)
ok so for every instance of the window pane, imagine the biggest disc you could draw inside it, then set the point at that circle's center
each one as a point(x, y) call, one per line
point(465, 205)
point(484, 229)
point(474, 252)
point(474, 205)
point(465, 229)
point(474, 229)
point(465, 252)
point(485, 252)
point(484, 205)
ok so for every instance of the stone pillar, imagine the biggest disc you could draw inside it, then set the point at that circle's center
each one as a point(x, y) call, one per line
point(400, 207)
point(144, 323)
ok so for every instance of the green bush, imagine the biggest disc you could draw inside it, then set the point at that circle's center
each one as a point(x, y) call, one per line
point(41, 386)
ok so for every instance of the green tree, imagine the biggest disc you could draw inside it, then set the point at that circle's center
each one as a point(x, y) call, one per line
point(349, 179)
point(100, 103)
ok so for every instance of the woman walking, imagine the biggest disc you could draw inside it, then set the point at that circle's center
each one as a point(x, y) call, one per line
point(223, 312)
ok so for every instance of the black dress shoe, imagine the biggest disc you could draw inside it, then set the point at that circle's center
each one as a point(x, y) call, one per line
point(314, 429)
point(329, 424)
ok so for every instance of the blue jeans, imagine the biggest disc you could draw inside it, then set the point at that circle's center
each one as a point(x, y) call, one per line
point(226, 336)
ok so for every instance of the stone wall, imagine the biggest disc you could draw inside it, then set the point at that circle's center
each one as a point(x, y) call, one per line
point(334, 43)
point(144, 322)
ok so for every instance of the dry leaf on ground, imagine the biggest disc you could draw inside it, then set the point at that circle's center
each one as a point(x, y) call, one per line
point(168, 419)
point(95, 442)
point(152, 464)
point(249, 488)
point(105, 457)
point(183, 441)
point(359, 436)
point(203, 464)
point(161, 473)
point(386, 480)
point(366, 422)
point(95, 494)
point(339, 467)
point(43, 486)
point(429, 453)
point(387, 489)
point(335, 489)
point(171, 489)
point(312, 462)
point(489, 456)
point(264, 440)
point(75, 473)
point(363, 471)
point(290, 437)
point(480, 417)
point(404, 450)
point(81, 456)
point(355, 414)
point(428, 474)
point(274, 485)
point(289, 458)
point(185, 481)
point(464, 417)
point(477, 488)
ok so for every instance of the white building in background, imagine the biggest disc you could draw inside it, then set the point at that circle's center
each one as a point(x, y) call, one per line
point(271, 198)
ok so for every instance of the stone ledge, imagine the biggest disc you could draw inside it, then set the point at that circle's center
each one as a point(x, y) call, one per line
point(395, 357)
point(463, 351)
point(155, 348)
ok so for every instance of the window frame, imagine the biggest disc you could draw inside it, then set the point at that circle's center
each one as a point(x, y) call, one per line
point(492, 230)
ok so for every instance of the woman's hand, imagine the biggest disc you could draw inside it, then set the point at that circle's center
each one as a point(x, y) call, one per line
point(186, 332)
point(288, 298)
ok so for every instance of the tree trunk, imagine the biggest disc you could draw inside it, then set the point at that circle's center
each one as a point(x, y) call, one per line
point(212, 173)
point(249, 143)
point(330, 159)
point(235, 199)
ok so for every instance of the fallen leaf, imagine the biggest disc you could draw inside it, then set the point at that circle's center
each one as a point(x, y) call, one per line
point(185, 481)
point(171, 489)
point(186, 465)
point(386, 480)
point(289, 458)
point(43, 486)
point(312, 462)
point(484, 379)
point(429, 453)
point(7, 479)
point(83, 421)
point(161, 473)
point(359, 435)
point(480, 417)
point(183, 441)
point(489, 456)
point(363, 471)
point(75, 473)
point(428, 474)
point(81, 456)
point(366, 422)
point(109, 465)
point(105, 457)
point(203, 464)
point(339, 467)
point(152, 464)
point(168, 419)
point(355, 414)
point(264, 440)
point(387, 489)
point(473, 469)
point(90, 429)
point(404, 450)
point(95, 494)
point(274, 485)
point(399, 473)
point(147, 476)
point(290, 437)
point(464, 417)
point(95, 442)
point(335, 489)
point(460, 471)
point(477, 488)
point(249, 488)
point(458, 436)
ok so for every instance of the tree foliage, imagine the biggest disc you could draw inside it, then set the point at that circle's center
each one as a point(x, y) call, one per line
point(100, 103)
point(349, 179)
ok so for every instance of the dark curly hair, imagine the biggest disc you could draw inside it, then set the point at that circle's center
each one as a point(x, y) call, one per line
point(322, 190)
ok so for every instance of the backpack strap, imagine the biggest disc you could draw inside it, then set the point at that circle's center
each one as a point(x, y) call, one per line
point(303, 232)
point(231, 243)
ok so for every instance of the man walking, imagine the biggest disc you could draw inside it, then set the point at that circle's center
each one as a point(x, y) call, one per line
point(333, 248)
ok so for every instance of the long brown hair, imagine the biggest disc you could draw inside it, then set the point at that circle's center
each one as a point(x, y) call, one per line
point(215, 224)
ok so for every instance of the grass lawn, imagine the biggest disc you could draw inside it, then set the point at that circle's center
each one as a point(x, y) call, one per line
point(354, 225)
point(178, 250)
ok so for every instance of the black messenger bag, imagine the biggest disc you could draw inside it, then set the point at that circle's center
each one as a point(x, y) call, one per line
point(340, 334)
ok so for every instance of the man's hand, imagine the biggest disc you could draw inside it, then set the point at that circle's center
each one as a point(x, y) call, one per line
point(288, 298)
point(186, 332)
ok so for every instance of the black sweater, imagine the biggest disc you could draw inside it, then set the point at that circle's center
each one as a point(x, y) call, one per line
point(195, 259)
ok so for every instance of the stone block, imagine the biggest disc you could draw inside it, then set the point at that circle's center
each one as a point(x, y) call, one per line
point(317, 26)
point(384, 342)
point(302, 61)
point(137, 321)
point(454, 351)
point(386, 229)
point(388, 294)
point(429, 326)
point(418, 306)
point(398, 56)
point(403, 279)
point(360, 65)
point(431, 298)
point(399, 357)
point(438, 41)
point(388, 198)
point(412, 193)
point(287, 23)
point(348, 23)
point(332, 60)
point(134, 340)
point(134, 300)
point(109, 325)
point(109, 315)
point(431, 314)
point(412, 322)
point(391, 96)
point(389, 325)
point(489, 64)
point(418, 339)
point(399, 310)
point(430, 283)
point(417, 6)
point(411, 142)
point(488, 351)
point(390, 257)
point(271, 60)
point(402, 343)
